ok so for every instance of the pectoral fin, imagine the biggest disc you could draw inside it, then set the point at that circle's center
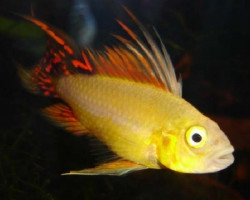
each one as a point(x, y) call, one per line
point(115, 168)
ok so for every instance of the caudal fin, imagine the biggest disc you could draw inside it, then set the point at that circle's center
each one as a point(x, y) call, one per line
point(62, 57)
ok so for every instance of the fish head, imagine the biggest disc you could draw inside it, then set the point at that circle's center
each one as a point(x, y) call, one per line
point(195, 145)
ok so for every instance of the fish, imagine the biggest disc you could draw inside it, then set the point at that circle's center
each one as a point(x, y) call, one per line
point(129, 98)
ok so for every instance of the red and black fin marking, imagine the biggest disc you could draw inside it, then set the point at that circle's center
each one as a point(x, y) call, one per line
point(61, 49)
point(63, 116)
point(62, 57)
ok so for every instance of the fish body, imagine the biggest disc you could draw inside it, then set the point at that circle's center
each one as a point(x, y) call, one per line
point(113, 110)
point(129, 98)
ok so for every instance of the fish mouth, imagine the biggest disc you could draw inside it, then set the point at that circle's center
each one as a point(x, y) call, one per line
point(221, 159)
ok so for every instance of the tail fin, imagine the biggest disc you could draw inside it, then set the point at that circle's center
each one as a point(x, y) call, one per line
point(62, 57)
point(37, 81)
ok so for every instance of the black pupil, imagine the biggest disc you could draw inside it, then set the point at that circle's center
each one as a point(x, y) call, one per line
point(196, 137)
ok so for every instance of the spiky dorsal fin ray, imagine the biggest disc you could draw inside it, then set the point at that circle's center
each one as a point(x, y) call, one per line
point(134, 61)
point(164, 65)
point(138, 62)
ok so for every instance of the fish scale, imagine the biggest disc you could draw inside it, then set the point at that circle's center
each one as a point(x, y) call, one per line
point(102, 105)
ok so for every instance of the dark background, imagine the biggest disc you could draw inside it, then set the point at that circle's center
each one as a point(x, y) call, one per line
point(209, 44)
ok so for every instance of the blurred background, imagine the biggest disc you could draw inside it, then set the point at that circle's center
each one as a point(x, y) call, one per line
point(208, 41)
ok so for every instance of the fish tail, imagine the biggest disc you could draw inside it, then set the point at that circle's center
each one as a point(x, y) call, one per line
point(37, 81)
point(61, 58)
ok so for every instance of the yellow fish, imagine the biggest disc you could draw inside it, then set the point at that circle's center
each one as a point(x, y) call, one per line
point(128, 97)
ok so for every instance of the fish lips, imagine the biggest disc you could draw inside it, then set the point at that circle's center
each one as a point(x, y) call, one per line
point(220, 159)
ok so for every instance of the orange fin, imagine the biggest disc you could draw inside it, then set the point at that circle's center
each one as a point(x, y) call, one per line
point(114, 168)
point(138, 61)
point(37, 81)
point(63, 116)
point(61, 49)
point(62, 57)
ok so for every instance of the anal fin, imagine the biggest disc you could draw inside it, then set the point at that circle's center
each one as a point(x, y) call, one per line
point(64, 117)
point(114, 168)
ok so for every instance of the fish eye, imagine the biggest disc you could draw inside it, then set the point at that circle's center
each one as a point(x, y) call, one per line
point(196, 136)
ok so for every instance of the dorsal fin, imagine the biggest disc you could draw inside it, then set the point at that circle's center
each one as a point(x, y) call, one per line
point(135, 60)
point(146, 63)
point(120, 62)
